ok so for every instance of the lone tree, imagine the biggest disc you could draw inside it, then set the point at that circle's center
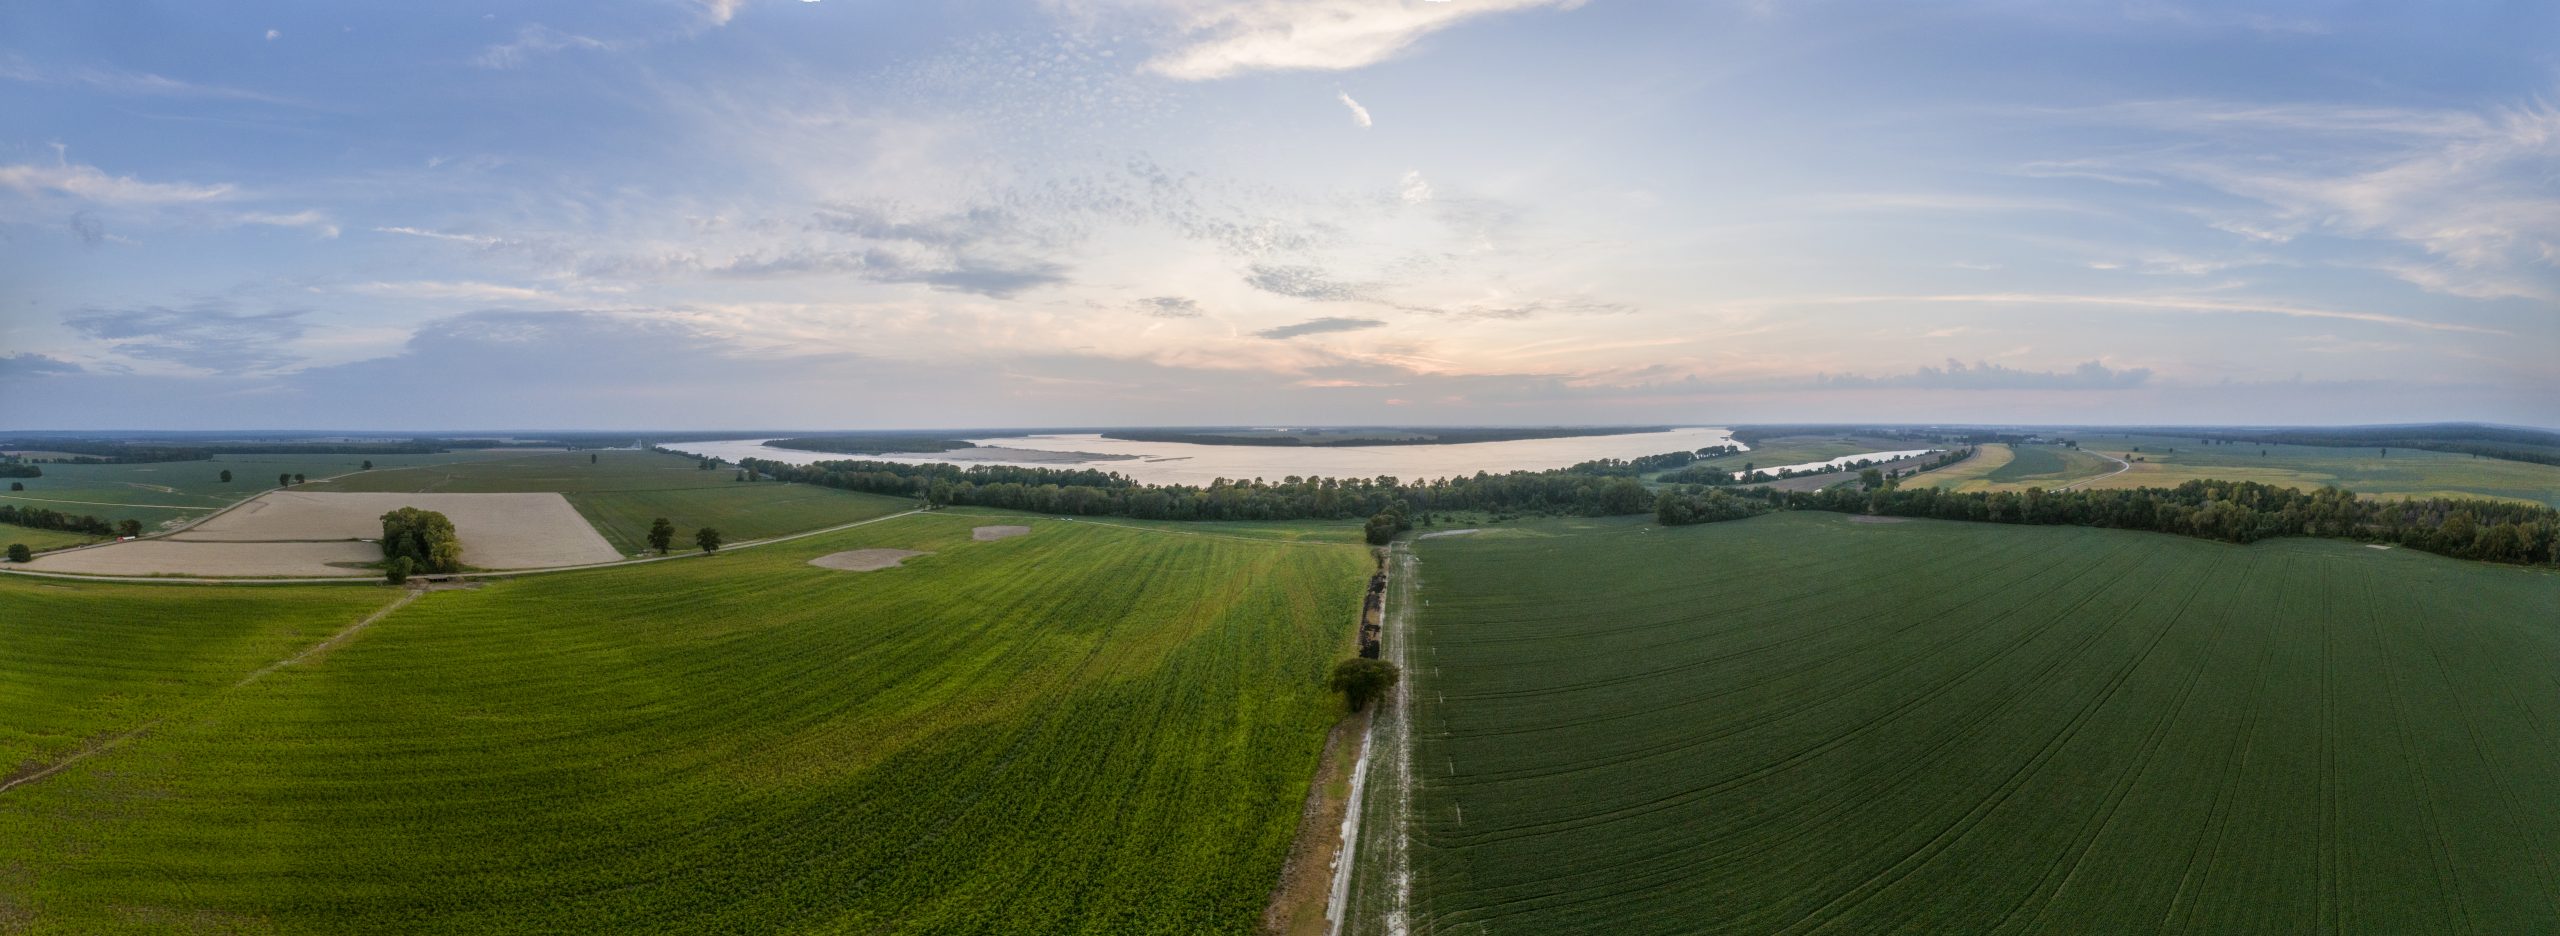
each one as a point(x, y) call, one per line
point(17, 485)
point(1361, 679)
point(129, 528)
point(18, 552)
point(424, 537)
point(1384, 525)
point(662, 534)
point(591, 458)
point(1872, 478)
point(226, 476)
point(708, 539)
point(284, 480)
point(396, 571)
point(297, 479)
point(368, 465)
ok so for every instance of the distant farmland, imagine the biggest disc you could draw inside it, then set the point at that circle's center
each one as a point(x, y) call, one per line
point(1804, 722)
point(1086, 729)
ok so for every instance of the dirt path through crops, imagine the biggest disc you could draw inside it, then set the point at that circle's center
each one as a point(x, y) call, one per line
point(118, 740)
point(2122, 466)
point(1373, 880)
point(1298, 905)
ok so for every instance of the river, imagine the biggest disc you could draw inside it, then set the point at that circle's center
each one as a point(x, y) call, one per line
point(1186, 463)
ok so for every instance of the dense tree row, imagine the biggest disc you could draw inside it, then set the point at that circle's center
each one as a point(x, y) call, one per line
point(420, 541)
point(1096, 493)
point(2513, 444)
point(43, 519)
point(1642, 465)
point(1687, 505)
point(2232, 511)
point(20, 470)
point(121, 453)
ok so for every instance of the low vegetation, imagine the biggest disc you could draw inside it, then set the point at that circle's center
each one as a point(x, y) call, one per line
point(1806, 723)
point(872, 443)
point(1087, 729)
point(1379, 435)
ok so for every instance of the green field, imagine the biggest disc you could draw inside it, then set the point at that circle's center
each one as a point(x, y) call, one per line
point(1804, 722)
point(1083, 730)
point(2002, 467)
point(162, 493)
point(621, 491)
point(41, 540)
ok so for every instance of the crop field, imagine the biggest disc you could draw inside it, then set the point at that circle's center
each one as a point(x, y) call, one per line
point(1084, 729)
point(2004, 467)
point(163, 493)
point(2168, 461)
point(316, 533)
point(620, 492)
point(1808, 722)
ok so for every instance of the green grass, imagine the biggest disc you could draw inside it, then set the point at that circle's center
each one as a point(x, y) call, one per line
point(2403, 473)
point(1803, 722)
point(621, 492)
point(2049, 466)
point(1084, 730)
point(41, 540)
point(160, 493)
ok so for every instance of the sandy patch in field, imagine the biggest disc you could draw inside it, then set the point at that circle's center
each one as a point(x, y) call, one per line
point(169, 557)
point(1867, 518)
point(990, 533)
point(1441, 533)
point(865, 560)
point(300, 532)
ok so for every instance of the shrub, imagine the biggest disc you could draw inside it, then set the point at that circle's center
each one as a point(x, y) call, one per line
point(1361, 679)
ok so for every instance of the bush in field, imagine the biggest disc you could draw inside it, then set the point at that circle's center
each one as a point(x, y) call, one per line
point(424, 537)
point(708, 539)
point(128, 528)
point(1361, 679)
point(662, 534)
point(226, 476)
point(1386, 524)
point(18, 552)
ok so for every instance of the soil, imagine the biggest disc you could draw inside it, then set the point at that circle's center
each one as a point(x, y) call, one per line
point(865, 560)
point(991, 533)
point(1298, 904)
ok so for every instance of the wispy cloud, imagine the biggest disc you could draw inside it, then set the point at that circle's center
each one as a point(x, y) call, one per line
point(1359, 114)
point(89, 183)
point(535, 39)
point(317, 222)
point(1219, 40)
point(2161, 303)
point(1957, 375)
point(1168, 307)
point(1319, 326)
point(14, 67)
point(476, 240)
point(206, 336)
point(1302, 282)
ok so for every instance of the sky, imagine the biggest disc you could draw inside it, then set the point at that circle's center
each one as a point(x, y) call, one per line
point(678, 214)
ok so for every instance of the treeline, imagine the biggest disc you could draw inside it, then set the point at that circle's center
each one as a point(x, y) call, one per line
point(2231, 511)
point(43, 519)
point(1341, 437)
point(124, 453)
point(872, 444)
point(20, 470)
point(1642, 465)
point(1088, 492)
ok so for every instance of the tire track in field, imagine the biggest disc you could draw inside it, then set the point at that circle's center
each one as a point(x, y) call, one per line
point(2438, 850)
point(2227, 793)
point(120, 739)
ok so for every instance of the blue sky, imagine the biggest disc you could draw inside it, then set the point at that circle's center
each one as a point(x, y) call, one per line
point(701, 213)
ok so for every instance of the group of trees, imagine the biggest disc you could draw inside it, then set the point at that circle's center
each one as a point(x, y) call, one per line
point(2231, 511)
point(17, 469)
point(662, 537)
point(1088, 492)
point(416, 540)
point(43, 519)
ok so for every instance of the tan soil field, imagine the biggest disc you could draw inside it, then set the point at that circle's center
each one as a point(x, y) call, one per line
point(298, 532)
point(865, 560)
point(991, 533)
point(165, 557)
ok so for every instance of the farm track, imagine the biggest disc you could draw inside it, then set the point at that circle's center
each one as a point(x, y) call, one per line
point(1796, 724)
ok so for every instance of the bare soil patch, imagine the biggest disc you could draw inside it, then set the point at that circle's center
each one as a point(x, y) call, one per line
point(1870, 518)
point(865, 560)
point(990, 533)
point(1440, 533)
point(306, 533)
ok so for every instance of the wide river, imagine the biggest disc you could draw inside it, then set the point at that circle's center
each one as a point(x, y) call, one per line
point(1185, 463)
